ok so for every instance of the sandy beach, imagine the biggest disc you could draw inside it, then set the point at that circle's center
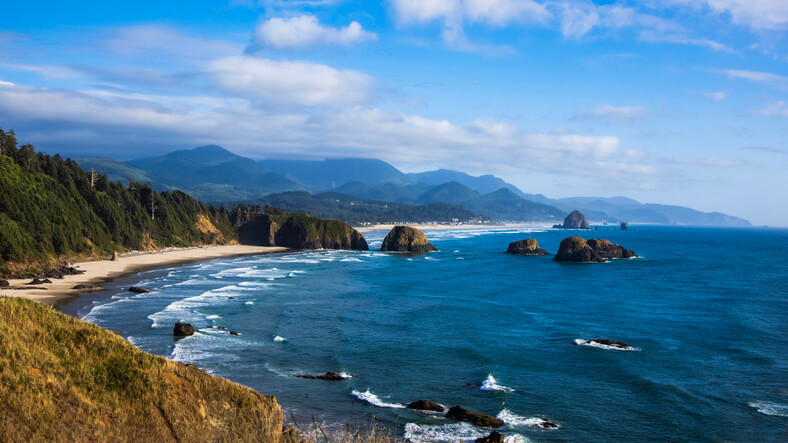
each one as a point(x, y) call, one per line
point(99, 272)
point(365, 229)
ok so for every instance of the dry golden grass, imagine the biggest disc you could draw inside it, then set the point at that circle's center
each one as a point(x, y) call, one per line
point(62, 379)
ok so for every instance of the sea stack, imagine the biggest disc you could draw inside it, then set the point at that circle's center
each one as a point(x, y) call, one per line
point(406, 239)
point(575, 220)
point(624, 226)
point(593, 251)
point(528, 246)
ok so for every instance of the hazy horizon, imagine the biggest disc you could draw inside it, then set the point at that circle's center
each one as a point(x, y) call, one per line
point(676, 102)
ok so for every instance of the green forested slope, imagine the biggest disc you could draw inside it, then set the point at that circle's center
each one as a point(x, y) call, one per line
point(50, 211)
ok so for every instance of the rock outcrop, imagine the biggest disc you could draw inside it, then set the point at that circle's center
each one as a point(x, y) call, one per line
point(608, 250)
point(425, 405)
point(575, 220)
point(528, 246)
point(494, 437)
point(298, 231)
point(595, 250)
point(406, 239)
point(330, 376)
point(138, 290)
point(624, 226)
point(486, 421)
point(88, 288)
point(183, 330)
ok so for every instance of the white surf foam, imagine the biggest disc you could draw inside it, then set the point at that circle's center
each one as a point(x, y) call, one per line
point(345, 375)
point(770, 408)
point(212, 317)
point(249, 303)
point(279, 339)
point(453, 432)
point(584, 342)
point(512, 419)
point(373, 399)
point(491, 384)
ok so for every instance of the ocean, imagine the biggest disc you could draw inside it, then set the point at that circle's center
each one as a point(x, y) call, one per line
point(705, 311)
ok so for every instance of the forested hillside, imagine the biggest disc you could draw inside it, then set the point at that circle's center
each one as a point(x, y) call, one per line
point(52, 210)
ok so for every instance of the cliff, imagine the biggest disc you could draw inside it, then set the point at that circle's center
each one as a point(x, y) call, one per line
point(67, 380)
point(298, 231)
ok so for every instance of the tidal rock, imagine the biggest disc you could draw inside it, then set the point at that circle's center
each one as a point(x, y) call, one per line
point(624, 226)
point(608, 250)
point(575, 220)
point(528, 246)
point(547, 424)
point(38, 281)
point(234, 333)
point(611, 343)
point(425, 405)
point(406, 239)
point(138, 290)
point(460, 413)
point(88, 288)
point(576, 249)
point(4, 284)
point(331, 376)
point(494, 437)
point(183, 329)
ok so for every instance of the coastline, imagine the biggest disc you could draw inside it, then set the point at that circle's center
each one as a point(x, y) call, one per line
point(102, 271)
point(469, 227)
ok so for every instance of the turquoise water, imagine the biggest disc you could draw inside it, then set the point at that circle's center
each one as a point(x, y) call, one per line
point(706, 311)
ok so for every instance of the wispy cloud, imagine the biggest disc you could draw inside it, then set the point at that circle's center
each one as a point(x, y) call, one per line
point(756, 14)
point(614, 114)
point(717, 96)
point(776, 109)
point(757, 76)
point(305, 31)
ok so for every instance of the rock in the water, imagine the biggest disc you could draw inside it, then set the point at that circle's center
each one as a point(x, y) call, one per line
point(611, 343)
point(406, 239)
point(331, 376)
point(460, 413)
point(494, 437)
point(88, 288)
point(425, 405)
point(234, 333)
point(608, 250)
point(528, 246)
point(4, 284)
point(547, 424)
point(138, 290)
point(183, 329)
point(624, 226)
point(576, 249)
point(575, 220)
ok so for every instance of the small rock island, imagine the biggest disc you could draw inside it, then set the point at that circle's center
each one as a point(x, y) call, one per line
point(406, 239)
point(575, 220)
point(576, 249)
point(528, 246)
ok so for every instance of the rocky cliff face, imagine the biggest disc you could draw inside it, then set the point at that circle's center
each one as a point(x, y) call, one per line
point(575, 220)
point(595, 250)
point(68, 380)
point(406, 239)
point(528, 246)
point(300, 231)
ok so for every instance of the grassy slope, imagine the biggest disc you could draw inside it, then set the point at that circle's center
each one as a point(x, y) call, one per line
point(62, 379)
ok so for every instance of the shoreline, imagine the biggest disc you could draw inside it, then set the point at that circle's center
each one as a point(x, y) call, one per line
point(103, 271)
point(442, 227)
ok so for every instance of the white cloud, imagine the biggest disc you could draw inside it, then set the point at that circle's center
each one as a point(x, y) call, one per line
point(5, 83)
point(776, 109)
point(756, 14)
point(757, 76)
point(615, 114)
point(304, 31)
point(290, 83)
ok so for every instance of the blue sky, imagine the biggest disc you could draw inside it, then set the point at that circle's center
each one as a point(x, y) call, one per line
point(673, 101)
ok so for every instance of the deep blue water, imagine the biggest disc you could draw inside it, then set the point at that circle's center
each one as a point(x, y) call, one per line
point(705, 309)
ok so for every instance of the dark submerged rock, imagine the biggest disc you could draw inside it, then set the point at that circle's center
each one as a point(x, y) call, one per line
point(575, 220)
point(576, 249)
point(460, 413)
point(183, 330)
point(425, 405)
point(331, 376)
point(406, 239)
point(528, 246)
point(494, 437)
point(138, 290)
point(608, 250)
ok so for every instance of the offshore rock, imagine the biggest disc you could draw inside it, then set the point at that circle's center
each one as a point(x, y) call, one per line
point(608, 250)
point(624, 226)
point(138, 290)
point(576, 249)
point(486, 421)
point(331, 376)
point(425, 405)
point(406, 239)
point(575, 220)
point(494, 437)
point(611, 343)
point(183, 330)
point(528, 246)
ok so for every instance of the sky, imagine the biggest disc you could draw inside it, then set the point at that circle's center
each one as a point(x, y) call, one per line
point(667, 101)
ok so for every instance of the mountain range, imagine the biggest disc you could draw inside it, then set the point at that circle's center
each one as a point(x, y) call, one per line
point(213, 174)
